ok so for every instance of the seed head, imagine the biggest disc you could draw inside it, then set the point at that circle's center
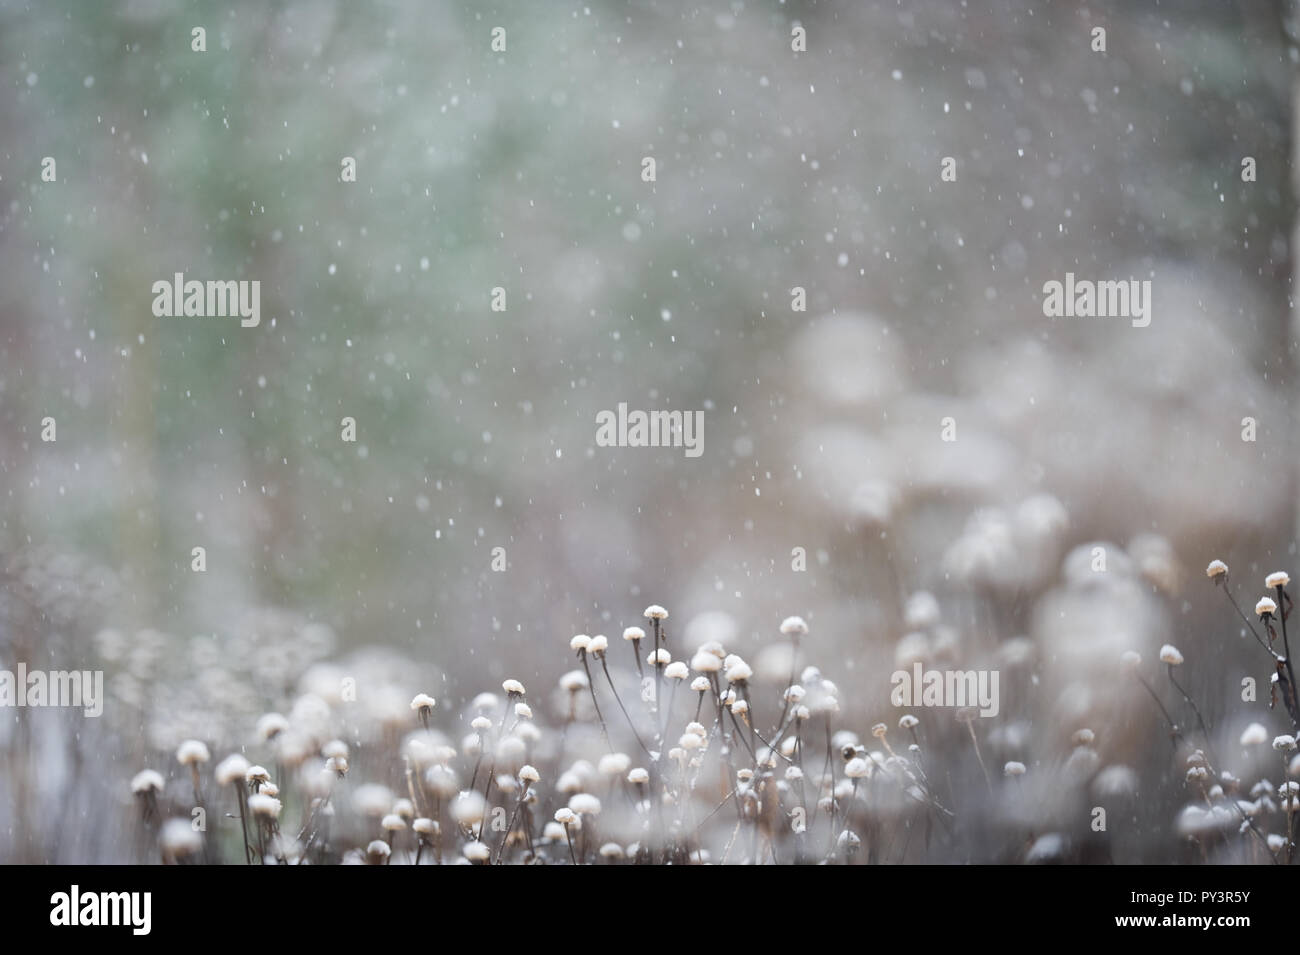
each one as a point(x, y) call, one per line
point(1266, 607)
point(147, 781)
point(1216, 569)
point(1013, 768)
point(794, 627)
point(580, 642)
point(529, 774)
point(1254, 735)
point(423, 704)
point(1277, 579)
point(192, 752)
point(655, 612)
point(264, 806)
point(1169, 654)
point(633, 633)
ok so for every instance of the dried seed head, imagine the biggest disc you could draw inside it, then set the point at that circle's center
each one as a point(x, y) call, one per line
point(580, 642)
point(1216, 568)
point(1169, 654)
point(335, 747)
point(638, 776)
point(655, 612)
point(611, 850)
point(598, 644)
point(1254, 735)
point(425, 826)
point(738, 671)
point(271, 725)
point(523, 711)
point(633, 633)
point(575, 681)
point(529, 774)
point(1266, 607)
point(481, 723)
point(513, 688)
point(677, 670)
point(794, 627)
point(1083, 737)
point(147, 781)
point(264, 806)
point(856, 768)
point(908, 722)
point(423, 704)
point(230, 769)
point(256, 774)
point(468, 808)
point(1284, 743)
point(700, 684)
point(613, 764)
point(565, 817)
point(378, 851)
point(660, 657)
point(392, 822)
point(879, 731)
point(179, 840)
point(1013, 768)
point(192, 752)
point(704, 662)
point(584, 804)
point(1277, 579)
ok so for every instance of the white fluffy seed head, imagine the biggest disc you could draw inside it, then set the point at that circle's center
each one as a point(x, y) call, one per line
point(599, 644)
point(633, 633)
point(256, 774)
point(565, 817)
point(584, 804)
point(575, 681)
point(580, 642)
point(655, 612)
point(677, 670)
point(1169, 654)
point(613, 764)
point(192, 752)
point(271, 725)
point(908, 722)
point(178, 838)
point(423, 703)
point(704, 662)
point(513, 688)
point(794, 627)
point(1254, 735)
point(264, 806)
point(523, 711)
point(231, 769)
point(660, 657)
point(738, 671)
point(1284, 743)
point(700, 684)
point(1013, 768)
point(1278, 578)
point(335, 747)
point(1266, 607)
point(638, 776)
point(481, 723)
point(147, 781)
point(476, 851)
point(393, 822)
point(1216, 568)
point(529, 774)
point(425, 826)
point(856, 768)
point(468, 808)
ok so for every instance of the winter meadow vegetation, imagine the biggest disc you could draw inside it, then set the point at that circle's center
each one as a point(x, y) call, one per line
point(648, 750)
point(373, 571)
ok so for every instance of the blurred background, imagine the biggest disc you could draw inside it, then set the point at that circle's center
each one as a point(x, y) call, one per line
point(475, 428)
